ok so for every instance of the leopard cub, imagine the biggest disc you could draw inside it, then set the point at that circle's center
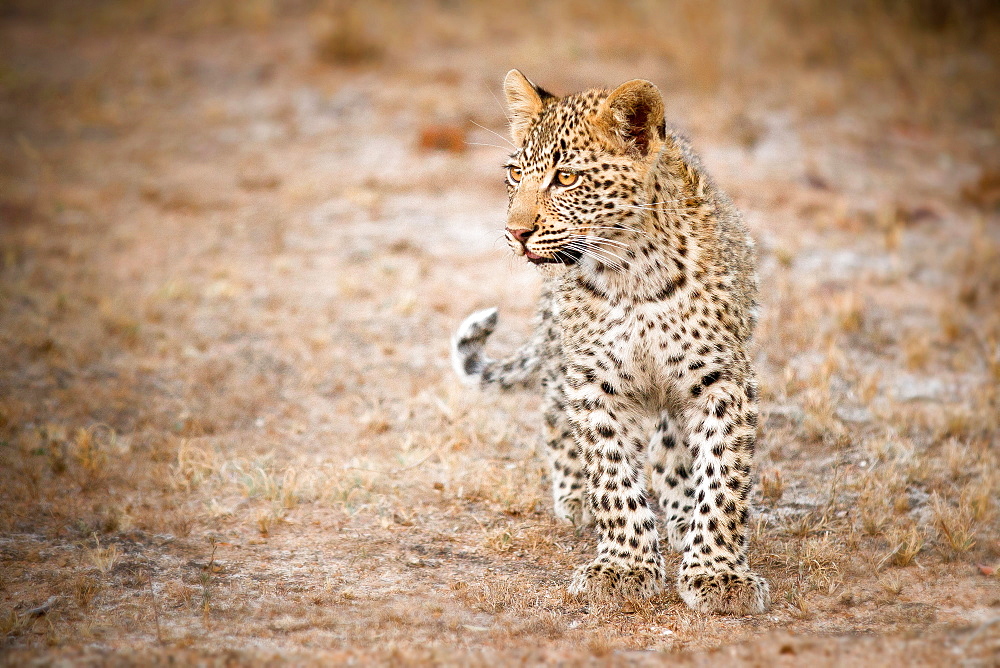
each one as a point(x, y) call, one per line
point(647, 308)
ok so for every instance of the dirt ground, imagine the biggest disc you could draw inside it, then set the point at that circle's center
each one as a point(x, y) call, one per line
point(235, 238)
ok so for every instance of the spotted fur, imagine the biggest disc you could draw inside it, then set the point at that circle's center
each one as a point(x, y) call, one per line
point(643, 324)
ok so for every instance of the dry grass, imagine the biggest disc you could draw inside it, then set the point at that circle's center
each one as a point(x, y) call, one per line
point(236, 236)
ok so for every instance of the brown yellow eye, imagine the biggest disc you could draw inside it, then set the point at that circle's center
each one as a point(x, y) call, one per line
point(567, 179)
point(514, 174)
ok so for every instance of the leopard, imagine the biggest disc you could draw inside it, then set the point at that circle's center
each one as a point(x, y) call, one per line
point(640, 344)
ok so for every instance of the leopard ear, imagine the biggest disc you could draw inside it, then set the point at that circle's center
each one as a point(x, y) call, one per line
point(525, 100)
point(633, 116)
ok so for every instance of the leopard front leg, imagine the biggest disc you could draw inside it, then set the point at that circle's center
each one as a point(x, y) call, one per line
point(671, 479)
point(714, 574)
point(568, 477)
point(612, 443)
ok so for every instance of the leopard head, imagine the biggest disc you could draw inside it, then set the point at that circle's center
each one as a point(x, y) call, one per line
point(580, 175)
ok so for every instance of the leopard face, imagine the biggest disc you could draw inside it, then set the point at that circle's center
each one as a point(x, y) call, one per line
point(574, 184)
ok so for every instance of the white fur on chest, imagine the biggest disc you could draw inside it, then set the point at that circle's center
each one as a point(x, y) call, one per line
point(641, 336)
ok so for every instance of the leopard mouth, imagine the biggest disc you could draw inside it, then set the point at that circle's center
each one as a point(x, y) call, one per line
point(567, 257)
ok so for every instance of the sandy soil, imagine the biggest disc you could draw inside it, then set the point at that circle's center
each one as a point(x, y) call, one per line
point(235, 239)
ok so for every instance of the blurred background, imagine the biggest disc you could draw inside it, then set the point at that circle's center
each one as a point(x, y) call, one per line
point(235, 237)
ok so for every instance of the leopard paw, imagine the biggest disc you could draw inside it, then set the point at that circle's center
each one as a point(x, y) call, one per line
point(603, 579)
point(726, 593)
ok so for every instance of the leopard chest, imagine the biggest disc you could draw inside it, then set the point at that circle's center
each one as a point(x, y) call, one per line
point(629, 339)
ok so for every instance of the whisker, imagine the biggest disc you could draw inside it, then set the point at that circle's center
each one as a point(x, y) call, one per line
point(585, 248)
point(595, 241)
point(651, 209)
point(592, 236)
point(497, 100)
point(652, 206)
point(561, 256)
point(578, 245)
point(685, 210)
point(616, 226)
point(666, 201)
point(606, 261)
point(619, 229)
point(476, 143)
point(606, 251)
point(603, 260)
point(495, 133)
point(599, 241)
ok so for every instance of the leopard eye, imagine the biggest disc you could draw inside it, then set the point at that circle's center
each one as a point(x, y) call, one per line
point(567, 179)
point(514, 174)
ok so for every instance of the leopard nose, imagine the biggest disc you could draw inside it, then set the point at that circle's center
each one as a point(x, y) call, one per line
point(521, 233)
